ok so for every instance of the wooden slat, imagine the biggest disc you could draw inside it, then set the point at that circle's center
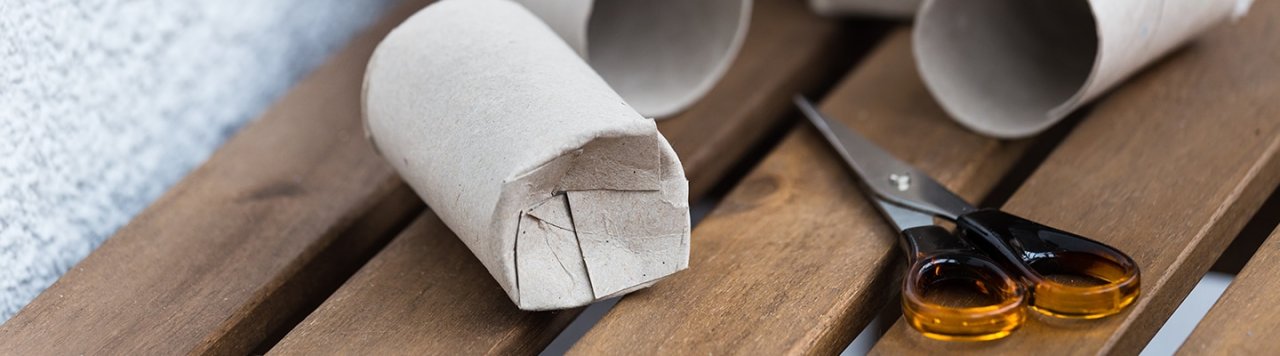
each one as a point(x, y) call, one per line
point(426, 293)
point(784, 264)
point(1243, 321)
point(1168, 168)
point(252, 236)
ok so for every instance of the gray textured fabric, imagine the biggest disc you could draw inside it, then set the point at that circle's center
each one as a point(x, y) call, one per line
point(106, 103)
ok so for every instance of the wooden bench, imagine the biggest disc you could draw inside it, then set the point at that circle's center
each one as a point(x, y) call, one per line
point(295, 238)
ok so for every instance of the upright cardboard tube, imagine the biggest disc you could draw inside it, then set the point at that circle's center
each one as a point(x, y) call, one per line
point(660, 55)
point(897, 9)
point(559, 188)
point(1012, 68)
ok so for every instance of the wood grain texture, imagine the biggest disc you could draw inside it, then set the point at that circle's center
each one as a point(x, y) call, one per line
point(230, 252)
point(1168, 168)
point(1243, 321)
point(795, 259)
point(426, 293)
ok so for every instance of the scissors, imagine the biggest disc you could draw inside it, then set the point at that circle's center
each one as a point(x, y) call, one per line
point(1010, 262)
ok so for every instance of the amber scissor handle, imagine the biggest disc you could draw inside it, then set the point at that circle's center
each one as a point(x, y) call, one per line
point(937, 259)
point(1069, 276)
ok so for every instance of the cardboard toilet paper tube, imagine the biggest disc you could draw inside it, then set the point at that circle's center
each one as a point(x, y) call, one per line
point(660, 55)
point(878, 8)
point(562, 190)
point(1012, 68)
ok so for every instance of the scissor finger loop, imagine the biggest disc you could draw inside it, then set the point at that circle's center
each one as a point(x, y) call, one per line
point(939, 262)
point(1069, 276)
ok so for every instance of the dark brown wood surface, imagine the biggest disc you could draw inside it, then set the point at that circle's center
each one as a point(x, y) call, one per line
point(228, 254)
point(1244, 321)
point(795, 260)
point(426, 293)
point(1168, 168)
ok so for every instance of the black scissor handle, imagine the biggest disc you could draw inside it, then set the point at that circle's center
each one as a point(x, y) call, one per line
point(1039, 252)
point(937, 259)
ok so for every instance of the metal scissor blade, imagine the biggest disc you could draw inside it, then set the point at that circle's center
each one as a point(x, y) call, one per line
point(886, 176)
point(903, 218)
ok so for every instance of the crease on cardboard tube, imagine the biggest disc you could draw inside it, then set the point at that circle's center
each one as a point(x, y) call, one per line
point(564, 192)
point(1013, 68)
point(897, 9)
point(660, 55)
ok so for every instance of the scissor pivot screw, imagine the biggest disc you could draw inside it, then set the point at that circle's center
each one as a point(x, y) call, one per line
point(901, 181)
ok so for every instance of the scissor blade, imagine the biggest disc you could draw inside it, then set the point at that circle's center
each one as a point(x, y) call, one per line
point(903, 218)
point(886, 176)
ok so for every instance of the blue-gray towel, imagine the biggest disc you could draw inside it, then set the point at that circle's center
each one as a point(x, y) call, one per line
point(106, 103)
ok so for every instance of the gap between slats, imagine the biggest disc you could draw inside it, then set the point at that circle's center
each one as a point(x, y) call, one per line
point(333, 266)
point(1213, 284)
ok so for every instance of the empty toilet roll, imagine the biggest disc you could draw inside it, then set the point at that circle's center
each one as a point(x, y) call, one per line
point(1012, 68)
point(660, 55)
point(559, 188)
point(877, 8)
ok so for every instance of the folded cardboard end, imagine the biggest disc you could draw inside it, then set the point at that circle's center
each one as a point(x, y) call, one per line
point(618, 221)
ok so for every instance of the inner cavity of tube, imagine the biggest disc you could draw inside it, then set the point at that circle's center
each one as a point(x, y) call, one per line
point(661, 54)
point(1009, 62)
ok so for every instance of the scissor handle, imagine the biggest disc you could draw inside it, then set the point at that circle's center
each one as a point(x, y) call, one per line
point(938, 259)
point(1037, 251)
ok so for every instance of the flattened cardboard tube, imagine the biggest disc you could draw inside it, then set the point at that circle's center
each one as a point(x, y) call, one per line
point(660, 55)
point(1012, 68)
point(901, 9)
point(559, 188)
